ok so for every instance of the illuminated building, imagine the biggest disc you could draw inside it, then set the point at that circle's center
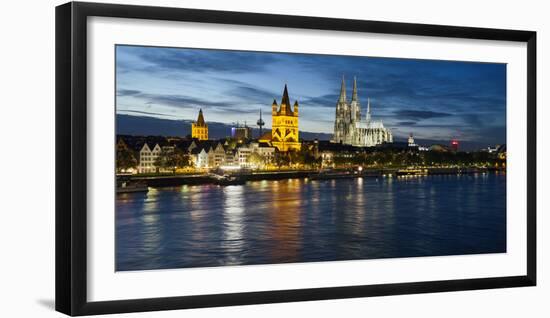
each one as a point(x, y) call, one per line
point(241, 156)
point(199, 129)
point(148, 155)
point(206, 153)
point(410, 141)
point(284, 124)
point(200, 157)
point(216, 155)
point(350, 129)
point(241, 132)
point(243, 152)
point(454, 145)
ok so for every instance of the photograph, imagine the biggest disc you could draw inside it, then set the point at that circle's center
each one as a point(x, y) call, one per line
point(227, 157)
point(242, 160)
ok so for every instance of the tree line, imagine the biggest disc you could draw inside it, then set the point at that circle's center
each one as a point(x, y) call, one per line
point(394, 158)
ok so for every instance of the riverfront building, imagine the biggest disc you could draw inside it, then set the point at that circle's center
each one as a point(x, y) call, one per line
point(199, 129)
point(202, 154)
point(147, 157)
point(149, 154)
point(241, 132)
point(351, 129)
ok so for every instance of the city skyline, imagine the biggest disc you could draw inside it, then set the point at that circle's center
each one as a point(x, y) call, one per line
point(432, 99)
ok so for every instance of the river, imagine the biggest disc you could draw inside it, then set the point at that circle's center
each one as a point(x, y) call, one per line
point(301, 220)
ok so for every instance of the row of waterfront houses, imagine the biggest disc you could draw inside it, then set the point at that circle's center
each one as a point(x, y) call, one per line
point(211, 154)
point(203, 154)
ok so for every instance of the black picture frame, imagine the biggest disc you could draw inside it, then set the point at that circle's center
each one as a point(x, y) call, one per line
point(71, 157)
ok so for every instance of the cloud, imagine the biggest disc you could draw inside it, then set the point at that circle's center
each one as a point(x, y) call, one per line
point(328, 100)
point(141, 112)
point(419, 114)
point(175, 100)
point(127, 92)
point(252, 93)
point(489, 135)
point(181, 101)
point(158, 59)
point(473, 119)
point(406, 123)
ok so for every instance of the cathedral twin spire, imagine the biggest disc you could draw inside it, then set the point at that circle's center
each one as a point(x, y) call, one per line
point(350, 128)
point(343, 98)
point(354, 97)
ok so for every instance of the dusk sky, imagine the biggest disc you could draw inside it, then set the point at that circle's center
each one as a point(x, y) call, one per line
point(436, 100)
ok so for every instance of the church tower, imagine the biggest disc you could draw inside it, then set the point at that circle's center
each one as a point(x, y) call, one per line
point(355, 105)
point(342, 114)
point(284, 124)
point(199, 129)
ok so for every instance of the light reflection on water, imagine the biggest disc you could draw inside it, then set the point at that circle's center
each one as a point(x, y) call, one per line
point(233, 210)
point(300, 220)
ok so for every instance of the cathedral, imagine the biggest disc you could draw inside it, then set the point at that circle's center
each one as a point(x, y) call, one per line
point(199, 129)
point(350, 129)
point(284, 124)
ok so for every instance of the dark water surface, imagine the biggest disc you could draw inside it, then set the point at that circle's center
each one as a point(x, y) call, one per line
point(266, 222)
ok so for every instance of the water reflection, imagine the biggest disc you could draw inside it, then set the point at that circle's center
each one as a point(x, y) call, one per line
point(284, 221)
point(233, 242)
point(296, 220)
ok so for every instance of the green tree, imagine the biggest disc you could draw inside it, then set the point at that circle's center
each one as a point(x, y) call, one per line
point(181, 159)
point(256, 159)
point(125, 159)
point(295, 157)
point(307, 158)
point(171, 159)
point(281, 159)
point(231, 143)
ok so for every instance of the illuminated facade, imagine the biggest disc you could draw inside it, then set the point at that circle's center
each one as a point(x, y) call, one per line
point(350, 129)
point(284, 124)
point(148, 155)
point(241, 132)
point(199, 129)
point(454, 145)
point(410, 141)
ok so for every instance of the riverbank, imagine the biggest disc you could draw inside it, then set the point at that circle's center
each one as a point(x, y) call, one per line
point(205, 178)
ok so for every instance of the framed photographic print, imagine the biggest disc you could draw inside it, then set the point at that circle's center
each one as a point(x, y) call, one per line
point(208, 158)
